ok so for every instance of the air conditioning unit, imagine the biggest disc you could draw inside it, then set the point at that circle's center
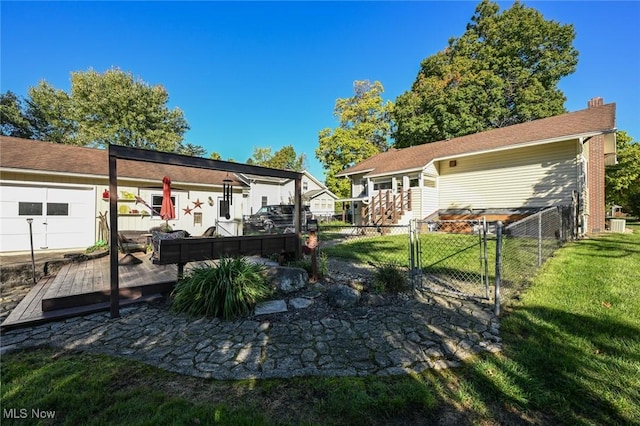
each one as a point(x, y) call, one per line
point(618, 225)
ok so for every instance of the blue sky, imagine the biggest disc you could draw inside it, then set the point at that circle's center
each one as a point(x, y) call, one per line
point(267, 74)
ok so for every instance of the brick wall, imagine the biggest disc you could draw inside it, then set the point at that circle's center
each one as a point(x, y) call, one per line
point(595, 170)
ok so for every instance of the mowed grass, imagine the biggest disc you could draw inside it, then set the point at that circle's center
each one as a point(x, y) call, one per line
point(571, 355)
point(577, 332)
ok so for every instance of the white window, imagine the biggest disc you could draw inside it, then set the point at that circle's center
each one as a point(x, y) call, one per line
point(156, 204)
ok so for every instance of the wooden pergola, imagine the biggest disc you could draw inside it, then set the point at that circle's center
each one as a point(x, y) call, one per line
point(117, 152)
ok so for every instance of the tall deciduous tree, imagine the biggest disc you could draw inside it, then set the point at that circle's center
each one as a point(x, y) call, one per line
point(285, 158)
point(364, 130)
point(13, 121)
point(192, 150)
point(622, 180)
point(52, 115)
point(112, 107)
point(503, 70)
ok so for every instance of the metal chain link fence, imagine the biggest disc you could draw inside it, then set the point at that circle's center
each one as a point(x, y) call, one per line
point(367, 245)
point(368, 252)
point(452, 257)
point(528, 243)
point(468, 258)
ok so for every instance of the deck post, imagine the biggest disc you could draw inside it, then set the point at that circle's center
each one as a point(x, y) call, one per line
point(113, 237)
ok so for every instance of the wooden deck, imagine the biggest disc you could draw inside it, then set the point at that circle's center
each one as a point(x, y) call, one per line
point(84, 287)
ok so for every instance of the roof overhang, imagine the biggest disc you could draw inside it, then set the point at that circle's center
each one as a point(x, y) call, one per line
point(357, 172)
point(354, 199)
point(396, 172)
point(137, 180)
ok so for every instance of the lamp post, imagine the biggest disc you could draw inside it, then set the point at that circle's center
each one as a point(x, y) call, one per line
point(33, 259)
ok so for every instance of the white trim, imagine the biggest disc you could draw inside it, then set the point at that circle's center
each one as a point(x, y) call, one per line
point(44, 184)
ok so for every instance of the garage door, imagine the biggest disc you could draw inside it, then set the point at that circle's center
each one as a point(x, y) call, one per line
point(62, 218)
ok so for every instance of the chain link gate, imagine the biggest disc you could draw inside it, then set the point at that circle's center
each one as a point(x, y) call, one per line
point(450, 257)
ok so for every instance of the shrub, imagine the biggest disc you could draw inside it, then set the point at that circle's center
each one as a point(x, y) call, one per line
point(305, 263)
point(390, 278)
point(99, 245)
point(227, 290)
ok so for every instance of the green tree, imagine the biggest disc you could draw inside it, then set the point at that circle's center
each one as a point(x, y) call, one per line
point(112, 107)
point(364, 130)
point(116, 108)
point(215, 156)
point(622, 181)
point(13, 121)
point(503, 70)
point(285, 158)
point(50, 112)
point(192, 150)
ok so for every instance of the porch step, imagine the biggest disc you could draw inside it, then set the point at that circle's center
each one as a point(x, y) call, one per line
point(100, 297)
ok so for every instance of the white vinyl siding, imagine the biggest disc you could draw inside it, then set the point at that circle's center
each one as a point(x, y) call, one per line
point(535, 176)
point(424, 201)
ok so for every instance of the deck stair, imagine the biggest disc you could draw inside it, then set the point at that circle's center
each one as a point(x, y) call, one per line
point(386, 207)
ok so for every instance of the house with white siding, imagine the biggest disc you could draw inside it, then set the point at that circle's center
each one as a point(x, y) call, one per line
point(265, 190)
point(64, 190)
point(505, 172)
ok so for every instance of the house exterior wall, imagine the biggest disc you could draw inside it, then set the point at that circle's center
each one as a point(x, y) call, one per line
point(45, 186)
point(424, 201)
point(275, 193)
point(536, 176)
point(323, 206)
point(358, 185)
point(278, 192)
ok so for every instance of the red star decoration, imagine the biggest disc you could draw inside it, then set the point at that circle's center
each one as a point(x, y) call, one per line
point(197, 204)
point(187, 210)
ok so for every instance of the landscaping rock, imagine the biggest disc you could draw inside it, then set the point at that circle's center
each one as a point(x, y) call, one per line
point(342, 296)
point(300, 303)
point(287, 280)
point(271, 307)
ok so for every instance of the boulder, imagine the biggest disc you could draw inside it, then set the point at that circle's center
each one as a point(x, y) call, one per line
point(342, 296)
point(286, 279)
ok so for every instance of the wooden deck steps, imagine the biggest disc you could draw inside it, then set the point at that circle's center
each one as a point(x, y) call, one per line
point(84, 287)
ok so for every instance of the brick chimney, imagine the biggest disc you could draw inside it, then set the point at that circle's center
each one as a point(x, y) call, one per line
point(595, 170)
point(595, 102)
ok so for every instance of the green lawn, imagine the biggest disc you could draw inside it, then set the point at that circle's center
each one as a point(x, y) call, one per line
point(571, 356)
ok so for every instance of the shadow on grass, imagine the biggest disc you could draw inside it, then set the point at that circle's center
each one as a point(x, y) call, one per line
point(556, 368)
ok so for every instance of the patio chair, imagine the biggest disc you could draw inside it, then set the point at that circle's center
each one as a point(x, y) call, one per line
point(210, 232)
point(127, 245)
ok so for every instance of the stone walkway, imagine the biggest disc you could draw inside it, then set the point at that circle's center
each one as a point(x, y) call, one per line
point(426, 331)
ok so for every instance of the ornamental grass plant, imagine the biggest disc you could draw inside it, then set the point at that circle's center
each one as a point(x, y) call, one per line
point(390, 278)
point(227, 290)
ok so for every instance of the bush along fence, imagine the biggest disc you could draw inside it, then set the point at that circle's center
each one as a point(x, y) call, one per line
point(465, 258)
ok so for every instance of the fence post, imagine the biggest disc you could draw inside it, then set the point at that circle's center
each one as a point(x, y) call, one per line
point(539, 239)
point(498, 267)
point(412, 256)
point(485, 261)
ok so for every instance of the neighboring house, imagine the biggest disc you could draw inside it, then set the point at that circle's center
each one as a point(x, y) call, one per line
point(61, 188)
point(505, 172)
point(264, 190)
